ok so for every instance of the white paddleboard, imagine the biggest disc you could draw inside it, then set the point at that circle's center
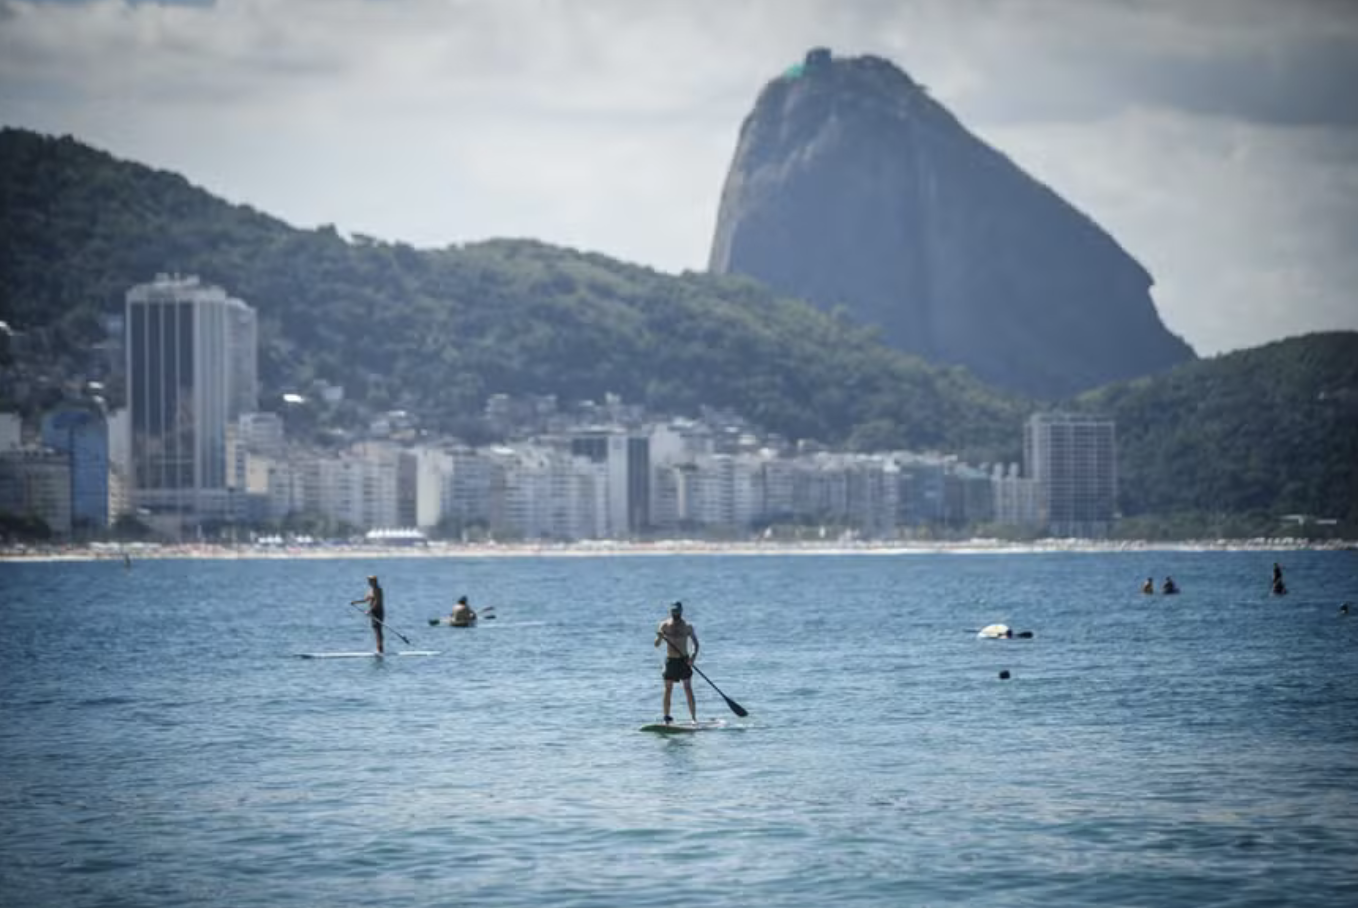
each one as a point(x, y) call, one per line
point(994, 630)
point(680, 728)
point(407, 652)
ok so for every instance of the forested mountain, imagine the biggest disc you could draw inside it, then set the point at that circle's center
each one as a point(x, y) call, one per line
point(1267, 431)
point(1260, 432)
point(436, 331)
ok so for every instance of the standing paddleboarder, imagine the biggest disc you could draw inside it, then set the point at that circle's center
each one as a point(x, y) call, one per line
point(676, 634)
point(376, 608)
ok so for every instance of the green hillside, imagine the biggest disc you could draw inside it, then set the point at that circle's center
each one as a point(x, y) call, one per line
point(1267, 431)
point(436, 331)
point(1254, 434)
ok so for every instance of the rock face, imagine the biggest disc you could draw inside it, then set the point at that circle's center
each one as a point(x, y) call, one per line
point(852, 188)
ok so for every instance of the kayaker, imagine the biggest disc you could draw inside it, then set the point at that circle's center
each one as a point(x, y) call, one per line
point(377, 612)
point(676, 633)
point(462, 612)
point(1148, 586)
point(1170, 587)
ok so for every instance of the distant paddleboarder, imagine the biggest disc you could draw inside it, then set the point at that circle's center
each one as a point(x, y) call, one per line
point(377, 611)
point(1279, 588)
point(676, 633)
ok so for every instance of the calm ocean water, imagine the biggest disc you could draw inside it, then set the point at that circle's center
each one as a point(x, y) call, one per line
point(162, 746)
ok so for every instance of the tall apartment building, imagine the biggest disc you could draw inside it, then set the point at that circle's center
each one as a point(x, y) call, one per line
point(11, 431)
point(1015, 497)
point(192, 354)
point(361, 491)
point(81, 433)
point(37, 482)
point(119, 463)
point(1073, 458)
point(627, 461)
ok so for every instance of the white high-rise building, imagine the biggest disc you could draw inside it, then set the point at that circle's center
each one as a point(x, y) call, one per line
point(192, 354)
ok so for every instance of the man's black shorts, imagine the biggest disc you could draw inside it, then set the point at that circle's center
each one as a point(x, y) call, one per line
point(677, 670)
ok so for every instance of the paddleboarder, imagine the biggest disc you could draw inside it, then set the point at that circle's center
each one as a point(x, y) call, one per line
point(376, 608)
point(676, 633)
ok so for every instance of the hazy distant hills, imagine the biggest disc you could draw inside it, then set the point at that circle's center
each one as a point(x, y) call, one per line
point(1271, 430)
point(852, 187)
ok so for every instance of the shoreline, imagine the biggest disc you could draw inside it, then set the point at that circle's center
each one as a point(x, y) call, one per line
point(206, 551)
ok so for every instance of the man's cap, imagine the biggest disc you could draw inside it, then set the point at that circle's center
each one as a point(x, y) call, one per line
point(372, 576)
point(677, 607)
point(462, 601)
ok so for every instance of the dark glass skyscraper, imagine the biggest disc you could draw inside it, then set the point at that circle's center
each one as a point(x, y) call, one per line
point(192, 354)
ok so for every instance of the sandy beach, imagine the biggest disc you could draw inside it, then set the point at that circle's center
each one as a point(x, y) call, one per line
point(115, 551)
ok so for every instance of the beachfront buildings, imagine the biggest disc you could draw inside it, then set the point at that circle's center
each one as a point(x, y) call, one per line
point(656, 479)
point(1072, 457)
point(672, 478)
point(191, 456)
point(191, 359)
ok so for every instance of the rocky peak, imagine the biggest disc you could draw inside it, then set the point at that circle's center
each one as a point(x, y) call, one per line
point(852, 187)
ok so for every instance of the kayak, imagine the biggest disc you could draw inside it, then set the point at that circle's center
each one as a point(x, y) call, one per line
point(452, 622)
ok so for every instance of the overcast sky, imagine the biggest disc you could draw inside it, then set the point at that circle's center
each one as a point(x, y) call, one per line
point(1216, 140)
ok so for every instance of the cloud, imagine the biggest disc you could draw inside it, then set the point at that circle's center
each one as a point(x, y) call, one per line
point(1214, 139)
point(1244, 226)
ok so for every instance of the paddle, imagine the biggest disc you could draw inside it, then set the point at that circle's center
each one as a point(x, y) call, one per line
point(382, 623)
point(735, 707)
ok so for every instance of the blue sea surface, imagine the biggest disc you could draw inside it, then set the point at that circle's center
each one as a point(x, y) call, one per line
point(162, 745)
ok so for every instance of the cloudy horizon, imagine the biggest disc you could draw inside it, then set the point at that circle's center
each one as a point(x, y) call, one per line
point(1217, 142)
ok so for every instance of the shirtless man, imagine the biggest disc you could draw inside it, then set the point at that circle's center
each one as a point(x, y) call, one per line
point(676, 633)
